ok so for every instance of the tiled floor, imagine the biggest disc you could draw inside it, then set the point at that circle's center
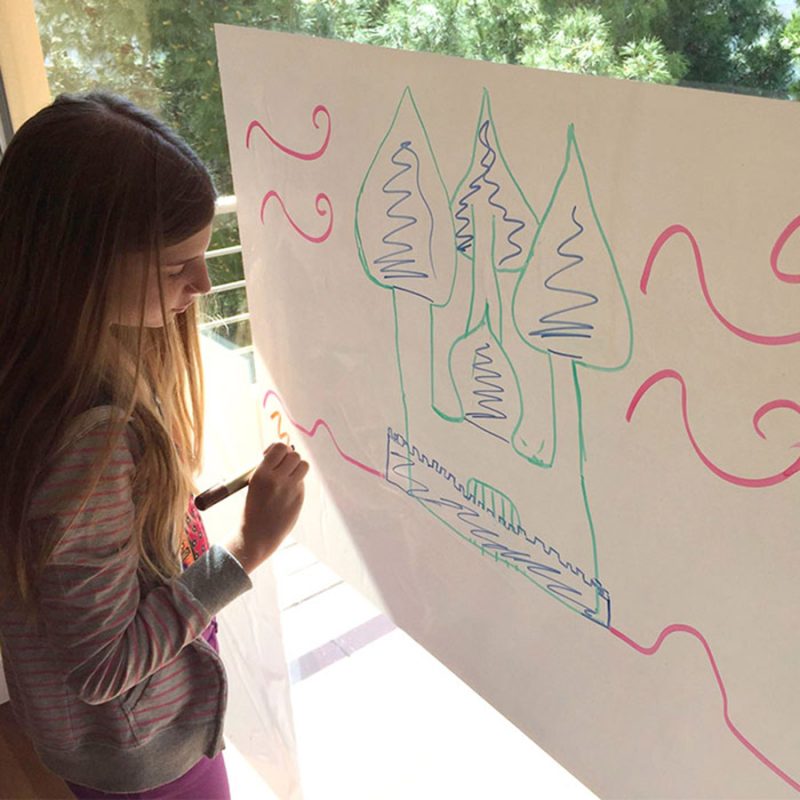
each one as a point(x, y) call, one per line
point(378, 718)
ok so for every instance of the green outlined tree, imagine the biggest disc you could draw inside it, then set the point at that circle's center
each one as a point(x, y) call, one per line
point(500, 389)
point(489, 387)
point(403, 229)
point(569, 302)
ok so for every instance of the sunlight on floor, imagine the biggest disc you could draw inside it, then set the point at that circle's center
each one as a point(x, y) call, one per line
point(378, 718)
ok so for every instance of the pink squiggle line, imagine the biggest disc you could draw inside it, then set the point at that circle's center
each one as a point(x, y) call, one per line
point(666, 235)
point(321, 211)
point(255, 124)
point(320, 423)
point(751, 483)
point(776, 251)
point(767, 407)
point(649, 651)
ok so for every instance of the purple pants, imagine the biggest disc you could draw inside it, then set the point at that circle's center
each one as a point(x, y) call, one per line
point(207, 778)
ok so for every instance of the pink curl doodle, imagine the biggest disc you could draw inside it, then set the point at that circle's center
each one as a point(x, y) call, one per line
point(320, 109)
point(320, 423)
point(649, 651)
point(321, 198)
point(776, 252)
point(750, 483)
point(757, 338)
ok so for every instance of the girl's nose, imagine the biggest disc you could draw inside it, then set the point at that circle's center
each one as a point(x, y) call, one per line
point(200, 281)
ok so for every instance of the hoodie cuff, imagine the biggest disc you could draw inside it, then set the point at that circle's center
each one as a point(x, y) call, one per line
point(216, 578)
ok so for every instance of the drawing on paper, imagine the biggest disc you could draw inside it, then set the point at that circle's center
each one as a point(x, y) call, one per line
point(544, 295)
point(513, 304)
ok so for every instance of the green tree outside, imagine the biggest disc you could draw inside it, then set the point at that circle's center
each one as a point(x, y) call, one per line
point(162, 54)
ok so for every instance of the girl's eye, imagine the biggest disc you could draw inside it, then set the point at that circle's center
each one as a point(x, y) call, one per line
point(175, 271)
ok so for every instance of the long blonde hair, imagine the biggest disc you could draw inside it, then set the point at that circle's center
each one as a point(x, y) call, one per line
point(84, 184)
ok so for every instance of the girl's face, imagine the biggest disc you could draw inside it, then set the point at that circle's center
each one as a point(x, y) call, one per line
point(184, 276)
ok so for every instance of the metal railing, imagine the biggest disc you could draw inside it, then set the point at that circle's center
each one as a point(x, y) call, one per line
point(227, 205)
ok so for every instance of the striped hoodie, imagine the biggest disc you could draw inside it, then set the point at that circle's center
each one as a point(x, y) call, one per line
point(113, 683)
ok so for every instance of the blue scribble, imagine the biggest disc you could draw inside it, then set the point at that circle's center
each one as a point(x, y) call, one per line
point(483, 374)
point(469, 518)
point(491, 394)
point(464, 240)
point(394, 265)
point(562, 327)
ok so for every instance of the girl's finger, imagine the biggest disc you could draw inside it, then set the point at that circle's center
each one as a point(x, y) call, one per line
point(273, 445)
point(275, 453)
point(300, 471)
point(288, 464)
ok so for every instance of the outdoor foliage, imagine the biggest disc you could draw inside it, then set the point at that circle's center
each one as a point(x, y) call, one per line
point(90, 43)
point(791, 42)
point(161, 53)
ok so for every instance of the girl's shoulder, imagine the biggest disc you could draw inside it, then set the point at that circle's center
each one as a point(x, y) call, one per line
point(95, 447)
point(98, 419)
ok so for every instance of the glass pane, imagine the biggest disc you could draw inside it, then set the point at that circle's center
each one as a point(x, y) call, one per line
point(162, 54)
point(233, 335)
point(225, 232)
point(225, 269)
point(223, 304)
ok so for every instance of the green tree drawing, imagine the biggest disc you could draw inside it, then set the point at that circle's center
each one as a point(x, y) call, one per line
point(404, 233)
point(495, 226)
point(569, 302)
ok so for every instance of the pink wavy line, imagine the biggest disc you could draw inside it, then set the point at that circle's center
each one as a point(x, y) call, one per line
point(649, 651)
point(767, 407)
point(320, 423)
point(752, 483)
point(321, 211)
point(757, 338)
point(255, 124)
point(776, 251)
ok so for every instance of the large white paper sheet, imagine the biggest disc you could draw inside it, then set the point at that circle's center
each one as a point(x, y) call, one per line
point(258, 721)
point(538, 334)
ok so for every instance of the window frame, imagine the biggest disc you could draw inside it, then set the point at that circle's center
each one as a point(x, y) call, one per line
point(23, 78)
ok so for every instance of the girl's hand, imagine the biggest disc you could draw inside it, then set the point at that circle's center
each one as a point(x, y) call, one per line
point(274, 498)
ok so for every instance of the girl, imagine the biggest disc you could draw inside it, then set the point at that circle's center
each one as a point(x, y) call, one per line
point(107, 634)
